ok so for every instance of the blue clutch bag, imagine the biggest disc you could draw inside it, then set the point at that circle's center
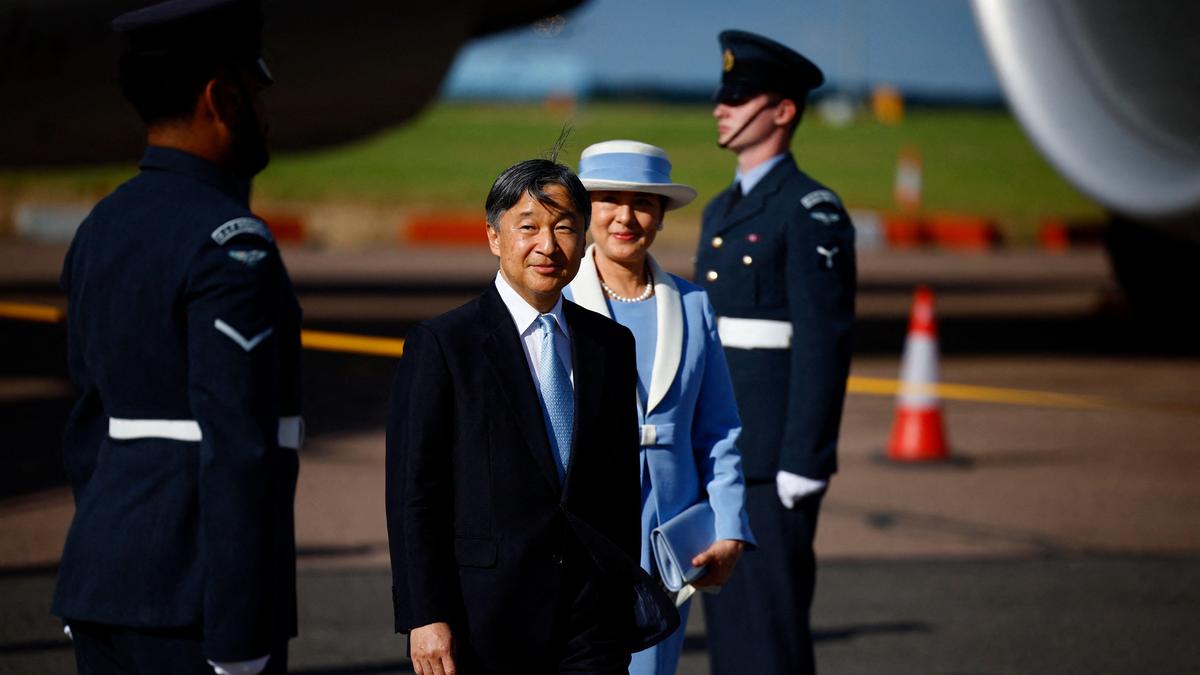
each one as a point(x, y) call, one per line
point(677, 541)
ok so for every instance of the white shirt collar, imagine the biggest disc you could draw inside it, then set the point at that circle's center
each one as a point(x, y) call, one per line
point(753, 176)
point(523, 314)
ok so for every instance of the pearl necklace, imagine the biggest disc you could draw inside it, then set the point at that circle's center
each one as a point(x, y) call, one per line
point(619, 298)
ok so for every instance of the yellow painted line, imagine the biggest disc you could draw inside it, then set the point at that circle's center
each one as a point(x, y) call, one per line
point(350, 343)
point(964, 392)
point(872, 386)
point(26, 312)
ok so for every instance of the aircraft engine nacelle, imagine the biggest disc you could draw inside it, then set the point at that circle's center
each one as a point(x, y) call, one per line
point(1109, 91)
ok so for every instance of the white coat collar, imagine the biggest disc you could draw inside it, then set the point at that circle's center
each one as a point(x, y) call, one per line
point(668, 347)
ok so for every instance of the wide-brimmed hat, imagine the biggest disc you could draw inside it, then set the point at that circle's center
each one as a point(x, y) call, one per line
point(630, 166)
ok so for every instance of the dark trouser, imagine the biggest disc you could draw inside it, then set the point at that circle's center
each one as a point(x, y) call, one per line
point(101, 649)
point(586, 633)
point(758, 623)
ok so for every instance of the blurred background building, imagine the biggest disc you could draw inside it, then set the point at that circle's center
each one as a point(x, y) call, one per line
point(929, 49)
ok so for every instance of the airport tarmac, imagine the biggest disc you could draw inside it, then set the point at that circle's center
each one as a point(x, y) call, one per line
point(1062, 538)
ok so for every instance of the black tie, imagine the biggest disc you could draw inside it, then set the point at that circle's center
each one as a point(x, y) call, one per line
point(735, 196)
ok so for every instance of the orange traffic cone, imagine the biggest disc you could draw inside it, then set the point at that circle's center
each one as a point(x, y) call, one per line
point(918, 434)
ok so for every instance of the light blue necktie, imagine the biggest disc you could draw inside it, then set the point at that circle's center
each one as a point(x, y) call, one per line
point(558, 400)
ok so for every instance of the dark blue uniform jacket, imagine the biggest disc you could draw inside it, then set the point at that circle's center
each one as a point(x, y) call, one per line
point(785, 252)
point(184, 348)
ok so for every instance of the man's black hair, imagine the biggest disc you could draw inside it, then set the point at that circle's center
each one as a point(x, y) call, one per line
point(534, 176)
point(165, 88)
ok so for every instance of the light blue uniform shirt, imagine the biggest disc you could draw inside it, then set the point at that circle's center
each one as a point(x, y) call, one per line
point(751, 178)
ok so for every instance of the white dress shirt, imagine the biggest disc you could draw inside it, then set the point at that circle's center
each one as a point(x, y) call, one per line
point(524, 317)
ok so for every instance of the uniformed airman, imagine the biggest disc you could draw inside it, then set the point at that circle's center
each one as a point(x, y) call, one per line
point(776, 257)
point(184, 351)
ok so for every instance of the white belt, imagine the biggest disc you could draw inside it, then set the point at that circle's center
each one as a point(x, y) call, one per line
point(290, 434)
point(754, 333)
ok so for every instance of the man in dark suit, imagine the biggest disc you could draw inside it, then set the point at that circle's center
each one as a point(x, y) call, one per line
point(776, 256)
point(184, 351)
point(512, 471)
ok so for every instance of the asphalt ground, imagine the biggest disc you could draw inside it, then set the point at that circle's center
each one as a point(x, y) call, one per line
point(1062, 538)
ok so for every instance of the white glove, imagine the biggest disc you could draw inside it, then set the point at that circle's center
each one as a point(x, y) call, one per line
point(67, 632)
point(251, 667)
point(792, 488)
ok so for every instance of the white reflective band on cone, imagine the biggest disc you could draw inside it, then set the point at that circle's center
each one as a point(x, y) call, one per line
point(290, 434)
point(919, 373)
point(754, 333)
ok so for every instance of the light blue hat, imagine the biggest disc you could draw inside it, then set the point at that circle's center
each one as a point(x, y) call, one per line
point(630, 166)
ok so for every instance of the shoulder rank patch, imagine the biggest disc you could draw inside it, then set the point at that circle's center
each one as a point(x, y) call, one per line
point(827, 218)
point(239, 226)
point(818, 197)
point(248, 258)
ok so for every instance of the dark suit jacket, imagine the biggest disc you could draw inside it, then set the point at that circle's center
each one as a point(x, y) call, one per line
point(170, 532)
point(478, 523)
point(766, 262)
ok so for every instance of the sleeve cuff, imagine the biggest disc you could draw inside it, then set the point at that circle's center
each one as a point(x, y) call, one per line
point(250, 667)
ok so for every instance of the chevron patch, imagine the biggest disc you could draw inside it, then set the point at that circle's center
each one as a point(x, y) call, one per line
point(239, 339)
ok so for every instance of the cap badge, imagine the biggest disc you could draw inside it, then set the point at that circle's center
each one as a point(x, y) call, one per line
point(728, 60)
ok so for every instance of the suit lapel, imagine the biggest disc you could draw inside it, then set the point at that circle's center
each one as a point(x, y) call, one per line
point(506, 356)
point(754, 203)
point(668, 345)
point(585, 287)
point(588, 363)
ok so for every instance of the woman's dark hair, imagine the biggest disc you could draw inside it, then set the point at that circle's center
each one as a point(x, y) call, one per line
point(534, 176)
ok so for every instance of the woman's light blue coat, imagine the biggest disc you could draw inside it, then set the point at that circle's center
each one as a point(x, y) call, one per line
point(689, 422)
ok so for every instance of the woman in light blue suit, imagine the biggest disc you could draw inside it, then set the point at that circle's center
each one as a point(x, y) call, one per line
point(685, 399)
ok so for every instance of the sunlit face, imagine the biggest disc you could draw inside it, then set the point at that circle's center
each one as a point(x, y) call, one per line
point(539, 248)
point(744, 124)
point(624, 224)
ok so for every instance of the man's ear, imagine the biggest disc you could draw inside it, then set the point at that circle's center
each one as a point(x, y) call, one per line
point(493, 239)
point(785, 112)
point(220, 102)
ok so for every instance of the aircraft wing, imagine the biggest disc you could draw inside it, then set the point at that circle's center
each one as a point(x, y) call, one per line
point(343, 70)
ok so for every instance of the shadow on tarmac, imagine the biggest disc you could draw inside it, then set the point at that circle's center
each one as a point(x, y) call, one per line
point(34, 646)
point(368, 669)
point(699, 643)
point(346, 393)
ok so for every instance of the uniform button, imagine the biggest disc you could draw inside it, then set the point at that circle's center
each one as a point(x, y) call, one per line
point(712, 275)
point(747, 260)
point(556, 558)
point(717, 241)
